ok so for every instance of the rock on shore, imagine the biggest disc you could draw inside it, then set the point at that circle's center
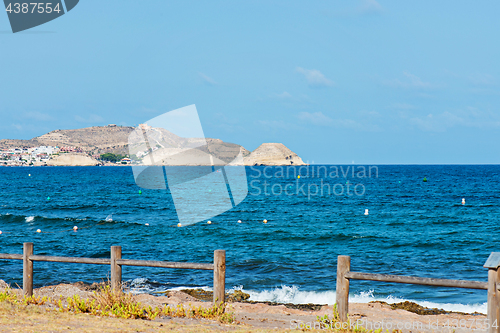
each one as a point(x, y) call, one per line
point(273, 154)
point(72, 159)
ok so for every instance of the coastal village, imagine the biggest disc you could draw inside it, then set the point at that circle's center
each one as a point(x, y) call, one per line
point(24, 156)
point(35, 156)
point(41, 156)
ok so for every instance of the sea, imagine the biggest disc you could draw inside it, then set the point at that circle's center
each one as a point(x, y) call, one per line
point(438, 221)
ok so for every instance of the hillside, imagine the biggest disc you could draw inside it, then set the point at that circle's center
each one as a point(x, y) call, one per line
point(98, 140)
point(93, 140)
point(273, 154)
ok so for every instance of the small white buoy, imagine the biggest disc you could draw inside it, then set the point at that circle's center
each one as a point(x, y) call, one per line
point(75, 228)
point(147, 224)
point(239, 221)
point(265, 221)
point(366, 211)
point(209, 222)
point(463, 201)
point(179, 225)
point(0, 232)
point(38, 230)
point(29, 175)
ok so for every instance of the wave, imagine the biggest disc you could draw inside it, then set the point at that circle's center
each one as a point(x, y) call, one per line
point(62, 220)
point(292, 294)
point(287, 294)
point(146, 286)
point(8, 217)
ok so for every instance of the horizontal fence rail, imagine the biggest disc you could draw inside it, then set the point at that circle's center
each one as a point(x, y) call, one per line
point(164, 264)
point(417, 280)
point(11, 256)
point(116, 263)
point(93, 261)
point(344, 274)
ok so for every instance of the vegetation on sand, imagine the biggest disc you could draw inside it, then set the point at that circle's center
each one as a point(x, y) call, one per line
point(109, 303)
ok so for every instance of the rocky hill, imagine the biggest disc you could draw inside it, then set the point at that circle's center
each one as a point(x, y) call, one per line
point(98, 140)
point(273, 154)
point(92, 140)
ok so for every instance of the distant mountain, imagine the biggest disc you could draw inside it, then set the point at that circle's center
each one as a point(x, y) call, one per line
point(98, 140)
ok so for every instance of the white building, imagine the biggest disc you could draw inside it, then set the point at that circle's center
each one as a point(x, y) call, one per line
point(49, 150)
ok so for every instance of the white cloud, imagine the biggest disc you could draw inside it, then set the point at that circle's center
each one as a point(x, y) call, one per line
point(315, 78)
point(92, 118)
point(146, 110)
point(469, 117)
point(356, 125)
point(370, 114)
point(317, 118)
point(276, 124)
point(435, 123)
point(482, 79)
point(284, 95)
point(37, 116)
point(369, 6)
point(363, 7)
point(207, 79)
point(288, 100)
point(403, 106)
point(409, 81)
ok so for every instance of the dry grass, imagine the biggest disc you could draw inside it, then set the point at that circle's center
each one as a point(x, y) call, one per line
point(105, 311)
point(31, 318)
point(109, 311)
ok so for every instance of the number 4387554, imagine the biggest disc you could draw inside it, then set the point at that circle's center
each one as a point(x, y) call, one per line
point(32, 7)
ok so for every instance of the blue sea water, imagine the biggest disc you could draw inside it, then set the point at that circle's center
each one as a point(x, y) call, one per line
point(413, 228)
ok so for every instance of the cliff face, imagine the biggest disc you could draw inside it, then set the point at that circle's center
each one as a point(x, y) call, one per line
point(72, 159)
point(273, 154)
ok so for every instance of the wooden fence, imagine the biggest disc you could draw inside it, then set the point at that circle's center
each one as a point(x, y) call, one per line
point(116, 262)
point(344, 274)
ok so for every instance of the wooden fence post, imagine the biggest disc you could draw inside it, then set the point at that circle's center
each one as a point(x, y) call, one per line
point(342, 292)
point(493, 300)
point(116, 270)
point(219, 276)
point(27, 269)
point(498, 301)
point(493, 263)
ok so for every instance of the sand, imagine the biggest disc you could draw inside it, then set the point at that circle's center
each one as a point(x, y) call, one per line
point(252, 317)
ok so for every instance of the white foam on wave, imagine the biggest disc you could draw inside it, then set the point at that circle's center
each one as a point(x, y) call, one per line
point(365, 297)
point(141, 286)
point(287, 294)
point(292, 294)
point(205, 288)
point(29, 218)
point(145, 286)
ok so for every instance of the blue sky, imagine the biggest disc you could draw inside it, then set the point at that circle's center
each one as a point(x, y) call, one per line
point(336, 81)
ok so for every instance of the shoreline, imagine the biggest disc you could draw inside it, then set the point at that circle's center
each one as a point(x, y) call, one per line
point(270, 315)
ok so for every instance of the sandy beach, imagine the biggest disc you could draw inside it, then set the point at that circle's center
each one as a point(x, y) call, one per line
point(249, 316)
